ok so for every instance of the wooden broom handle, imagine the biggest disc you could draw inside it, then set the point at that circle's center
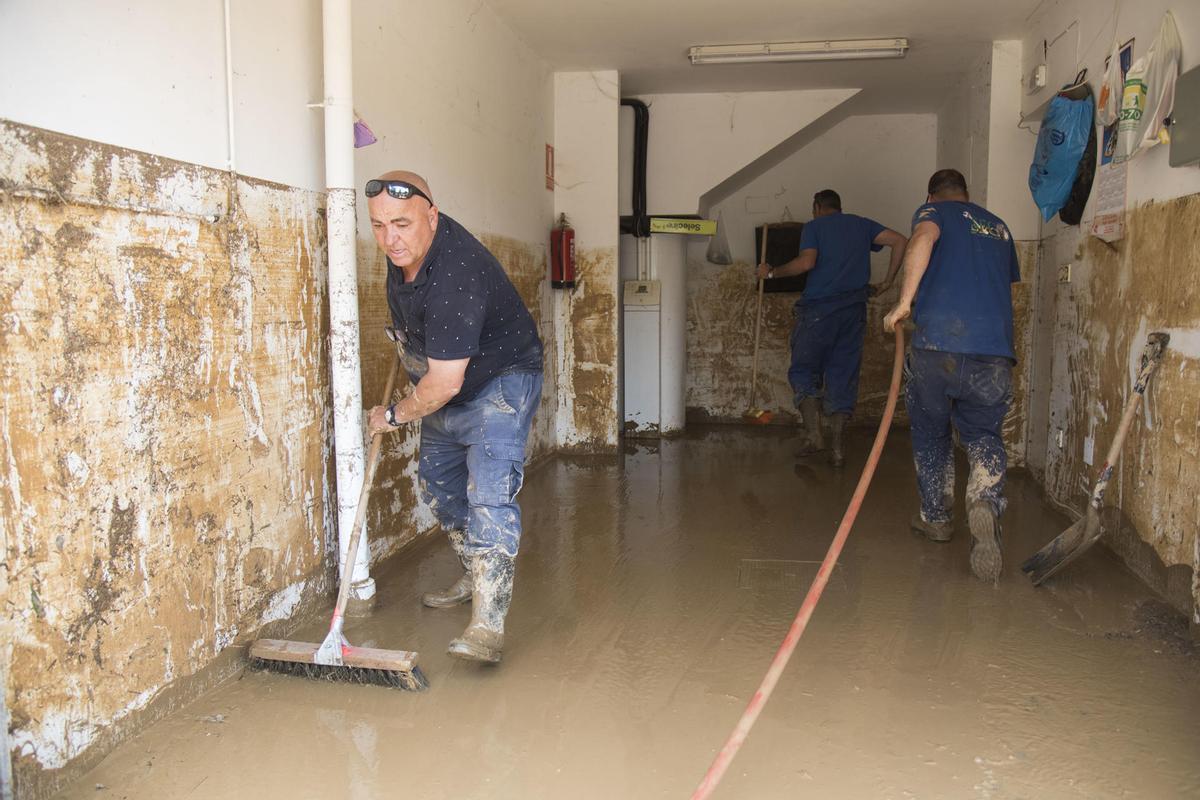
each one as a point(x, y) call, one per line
point(762, 259)
point(361, 515)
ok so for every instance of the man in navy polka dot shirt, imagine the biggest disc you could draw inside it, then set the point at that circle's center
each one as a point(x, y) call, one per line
point(472, 352)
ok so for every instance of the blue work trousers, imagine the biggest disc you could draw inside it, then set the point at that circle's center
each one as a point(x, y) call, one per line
point(972, 393)
point(473, 461)
point(827, 346)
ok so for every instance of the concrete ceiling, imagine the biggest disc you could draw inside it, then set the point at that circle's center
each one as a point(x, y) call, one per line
point(647, 42)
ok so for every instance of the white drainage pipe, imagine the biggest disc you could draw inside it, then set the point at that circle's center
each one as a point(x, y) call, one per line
point(343, 284)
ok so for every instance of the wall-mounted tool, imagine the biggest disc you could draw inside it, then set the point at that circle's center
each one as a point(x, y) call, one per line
point(1075, 540)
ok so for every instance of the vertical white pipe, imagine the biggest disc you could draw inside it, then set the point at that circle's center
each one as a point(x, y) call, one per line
point(229, 89)
point(343, 283)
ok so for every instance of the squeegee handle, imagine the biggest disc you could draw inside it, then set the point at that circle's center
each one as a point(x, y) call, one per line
point(361, 515)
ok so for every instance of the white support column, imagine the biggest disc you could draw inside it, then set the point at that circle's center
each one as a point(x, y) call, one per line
point(343, 285)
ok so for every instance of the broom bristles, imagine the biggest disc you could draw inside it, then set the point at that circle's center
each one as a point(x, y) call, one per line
point(410, 680)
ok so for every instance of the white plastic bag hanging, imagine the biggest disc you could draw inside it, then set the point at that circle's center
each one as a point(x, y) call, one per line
point(718, 245)
point(1112, 86)
point(1149, 93)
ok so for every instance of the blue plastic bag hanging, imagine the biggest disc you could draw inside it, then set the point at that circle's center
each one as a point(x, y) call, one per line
point(1061, 141)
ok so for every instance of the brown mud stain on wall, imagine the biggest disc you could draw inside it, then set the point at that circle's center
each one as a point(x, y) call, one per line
point(167, 485)
point(1016, 424)
point(1103, 317)
point(587, 346)
point(722, 302)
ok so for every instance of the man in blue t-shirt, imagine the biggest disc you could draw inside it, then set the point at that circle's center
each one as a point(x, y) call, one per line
point(472, 352)
point(960, 266)
point(831, 317)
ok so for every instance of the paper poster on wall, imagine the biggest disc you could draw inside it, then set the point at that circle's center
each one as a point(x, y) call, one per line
point(1109, 223)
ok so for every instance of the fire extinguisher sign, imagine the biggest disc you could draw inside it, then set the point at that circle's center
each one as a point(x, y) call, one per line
point(550, 167)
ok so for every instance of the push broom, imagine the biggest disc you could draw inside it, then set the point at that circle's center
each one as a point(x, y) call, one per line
point(335, 658)
point(754, 414)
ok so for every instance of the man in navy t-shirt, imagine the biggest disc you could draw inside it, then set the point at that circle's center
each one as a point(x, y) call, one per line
point(472, 352)
point(831, 317)
point(960, 268)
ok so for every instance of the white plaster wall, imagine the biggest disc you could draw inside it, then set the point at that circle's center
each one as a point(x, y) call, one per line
point(880, 165)
point(150, 76)
point(586, 108)
point(1085, 31)
point(698, 140)
point(964, 127)
point(467, 104)
point(1010, 149)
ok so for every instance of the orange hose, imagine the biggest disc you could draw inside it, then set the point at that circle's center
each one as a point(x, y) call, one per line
point(755, 707)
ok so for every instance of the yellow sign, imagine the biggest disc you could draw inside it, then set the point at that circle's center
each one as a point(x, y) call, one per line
point(700, 227)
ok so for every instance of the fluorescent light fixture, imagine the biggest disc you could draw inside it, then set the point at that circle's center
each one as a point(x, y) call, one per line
point(797, 51)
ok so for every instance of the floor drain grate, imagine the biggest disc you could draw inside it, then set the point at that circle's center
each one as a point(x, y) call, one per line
point(778, 573)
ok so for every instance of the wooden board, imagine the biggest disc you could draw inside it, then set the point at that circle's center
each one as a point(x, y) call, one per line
point(305, 652)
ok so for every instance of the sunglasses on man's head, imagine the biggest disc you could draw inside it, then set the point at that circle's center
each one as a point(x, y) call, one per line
point(401, 190)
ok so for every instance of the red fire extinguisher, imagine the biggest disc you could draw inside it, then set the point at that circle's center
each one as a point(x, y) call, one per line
point(562, 255)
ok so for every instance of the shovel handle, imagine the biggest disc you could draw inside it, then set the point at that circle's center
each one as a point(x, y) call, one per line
point(1151, 357)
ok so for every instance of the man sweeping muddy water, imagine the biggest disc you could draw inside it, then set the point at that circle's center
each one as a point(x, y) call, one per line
point(472, 351)
point(959, 268)
point(831, 317)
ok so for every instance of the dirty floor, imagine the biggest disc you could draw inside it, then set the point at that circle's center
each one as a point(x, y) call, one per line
point(651, 594)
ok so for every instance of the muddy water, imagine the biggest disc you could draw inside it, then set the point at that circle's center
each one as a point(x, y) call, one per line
point(652, 593)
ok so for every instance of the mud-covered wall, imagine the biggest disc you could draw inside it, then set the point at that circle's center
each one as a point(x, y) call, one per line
point(1115, 297)
point(721, 312)
point(167, 485)
point(587, 354)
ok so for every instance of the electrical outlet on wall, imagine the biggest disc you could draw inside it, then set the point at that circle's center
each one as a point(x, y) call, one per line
point(1064, 272)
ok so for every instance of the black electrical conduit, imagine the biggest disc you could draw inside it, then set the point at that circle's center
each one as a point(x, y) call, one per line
point(639, 223)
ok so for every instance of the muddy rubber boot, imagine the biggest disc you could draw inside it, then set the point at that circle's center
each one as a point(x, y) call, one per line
point(810, 409)
point(986, 561)
point(837, 457)
point(933, 531)
point(483, 640)
point(460, 591)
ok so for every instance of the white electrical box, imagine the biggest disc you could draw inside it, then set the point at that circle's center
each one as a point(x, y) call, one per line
point(643, 293)
point(1036, 80)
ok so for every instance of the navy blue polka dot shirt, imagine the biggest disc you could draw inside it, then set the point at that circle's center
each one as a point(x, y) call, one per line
point(461, 304)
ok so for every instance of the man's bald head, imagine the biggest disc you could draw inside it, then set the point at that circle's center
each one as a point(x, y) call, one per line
point(404, 229)
point(409, 177)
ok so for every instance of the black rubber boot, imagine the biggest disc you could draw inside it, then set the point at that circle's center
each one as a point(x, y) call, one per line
point(460, 591)
point(483, 640)
point(810, 409)
point(837, 456)
point(986, 560)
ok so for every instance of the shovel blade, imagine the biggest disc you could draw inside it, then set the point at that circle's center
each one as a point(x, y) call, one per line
point(1065, 548)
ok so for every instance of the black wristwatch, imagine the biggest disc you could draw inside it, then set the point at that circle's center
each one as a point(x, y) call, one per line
point(389, 416)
